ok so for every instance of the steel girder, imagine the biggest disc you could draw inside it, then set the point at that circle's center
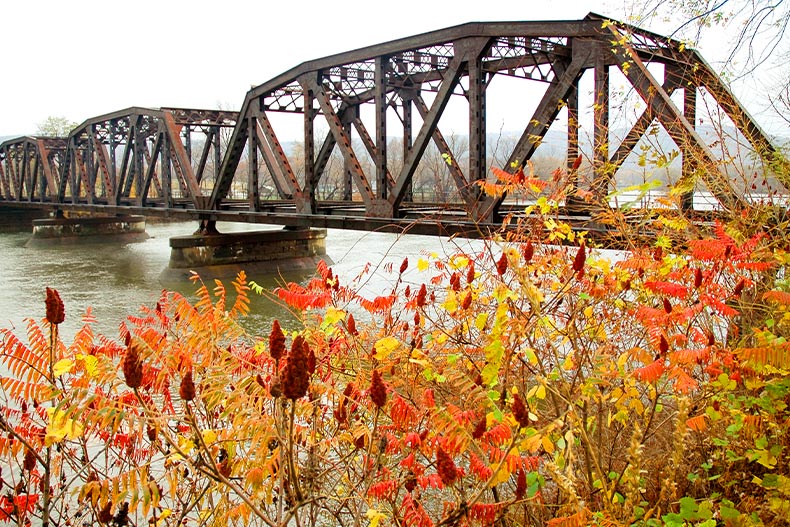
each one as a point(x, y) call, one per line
point(129, 157)
point(147, 158)
point(30, 168)
point(463, 61)
point(143, 156)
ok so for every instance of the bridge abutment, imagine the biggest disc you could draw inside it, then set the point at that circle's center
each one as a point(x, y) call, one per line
point(224, 254)
point(88, 229)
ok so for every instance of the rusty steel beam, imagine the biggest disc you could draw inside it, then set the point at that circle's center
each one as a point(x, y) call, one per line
point(5, 186)
point(32, 165)
point(461, 183)
point(277, 162)
point(430, 122)
point(548, 107)
point(337, 129)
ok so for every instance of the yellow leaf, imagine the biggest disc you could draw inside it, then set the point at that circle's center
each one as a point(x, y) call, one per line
point(503, 292)
point(162, 516)
point(185, 444)
point(481, 320)
point(502, 475)
point(540, 393)
point(209, 437)
point(568, 364)
point(422, 264)
point(534, 295)
point(62, 366)
point(384, 347)
point(532, 443)
point(333, 316)
point(451, 303)
point(548, 444)
point(60, 427)
point(90, 364)
point(458, 262)
point(375, 517)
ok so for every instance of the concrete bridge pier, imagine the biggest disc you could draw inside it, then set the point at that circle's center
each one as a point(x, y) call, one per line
point(91, 229)
point(215, 254)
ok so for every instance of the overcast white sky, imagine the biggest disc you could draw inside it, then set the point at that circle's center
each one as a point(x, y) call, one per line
point(82, 58)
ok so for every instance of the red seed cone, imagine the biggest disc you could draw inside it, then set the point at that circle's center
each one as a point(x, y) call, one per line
point(296, 377)
point(521, 484)
point(421, 295)
point(341, 413)
point(739, 288)
point(480, 429)
point(445, 467)
point(187, 388)
point(378, 392)
point(56, 313)
point(501, 265)
point(470, 273)
point(276, 341)
point(667, 306)
point(105, 514)
point(132, 366)
point(351, 323)
point(578, 261)
point(30, 460)
point(663, 345)
point(520, 412)
point(528, 251)
point(311, 361)
point(466, 301)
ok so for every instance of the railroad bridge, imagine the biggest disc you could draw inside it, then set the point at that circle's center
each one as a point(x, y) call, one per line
point(212, 165)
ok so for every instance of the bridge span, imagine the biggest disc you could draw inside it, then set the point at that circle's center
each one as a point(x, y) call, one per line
point(212, 165)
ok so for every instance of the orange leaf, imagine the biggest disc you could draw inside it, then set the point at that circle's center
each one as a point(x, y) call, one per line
point(652, 372)
point(780, 297)
point(574, 520)
point(668, 288)
point(697, 423)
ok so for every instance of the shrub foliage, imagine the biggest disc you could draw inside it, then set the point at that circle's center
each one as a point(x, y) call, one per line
point(538, 380)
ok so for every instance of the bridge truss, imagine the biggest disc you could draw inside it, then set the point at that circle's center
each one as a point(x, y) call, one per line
point(145, 160)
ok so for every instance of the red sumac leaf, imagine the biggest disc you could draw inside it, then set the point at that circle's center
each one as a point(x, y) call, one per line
point(650, 373)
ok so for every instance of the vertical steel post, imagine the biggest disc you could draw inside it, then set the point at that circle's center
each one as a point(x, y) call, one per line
point(348, 178)
point(689, 165)
point(164, 159)
point(600, 125)
point(408, 132)
point(477, 120)
point(253, 198)
point(309, 152)
point(380, 96)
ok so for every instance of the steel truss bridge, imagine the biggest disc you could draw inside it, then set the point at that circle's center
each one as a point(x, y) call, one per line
point(188, 163)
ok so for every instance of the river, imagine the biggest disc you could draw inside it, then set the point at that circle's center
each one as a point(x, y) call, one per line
point(116, 279)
